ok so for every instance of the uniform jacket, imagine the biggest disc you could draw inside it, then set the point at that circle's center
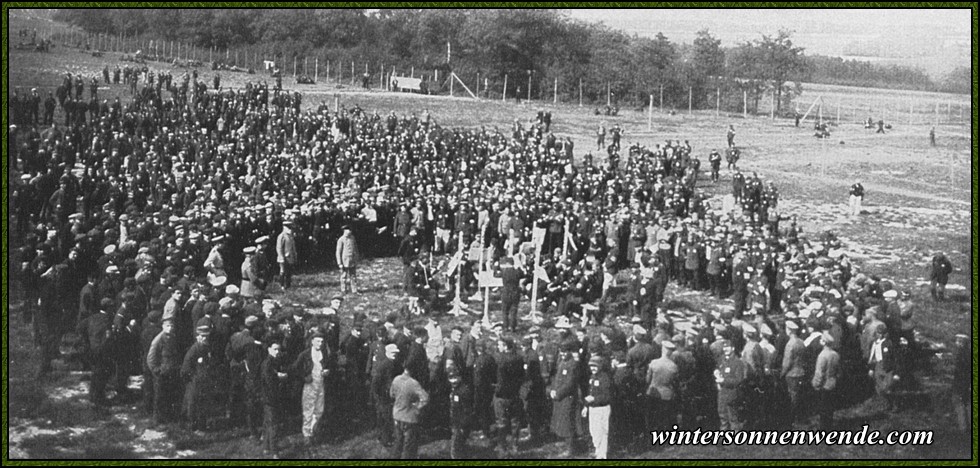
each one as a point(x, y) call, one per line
point(461, 405)
point(827, 371)
point(510, 376)
point(273, 387)
point(286, 247)
point(733, 373)
point(567, 400)
point(793, 358)
point(754, 358)
point(409, 399)
point(382, 375)
point(347, 254)
point(601, 389)
point(251, 279)
point(639, 357)
point(302, 367)
point(96, 330)
point(163, 359)
point(661, 380)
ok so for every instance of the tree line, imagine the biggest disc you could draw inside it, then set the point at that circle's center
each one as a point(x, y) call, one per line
point(528, 46)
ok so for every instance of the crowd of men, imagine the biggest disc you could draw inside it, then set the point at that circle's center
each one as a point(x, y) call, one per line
point(154, 229)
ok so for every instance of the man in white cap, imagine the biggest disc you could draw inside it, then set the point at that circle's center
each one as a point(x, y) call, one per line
point(383, 372)
point(215, 263)
point(251, 281)
point(286, 254)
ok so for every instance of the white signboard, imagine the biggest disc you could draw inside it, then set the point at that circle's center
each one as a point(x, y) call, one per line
point(404, 82)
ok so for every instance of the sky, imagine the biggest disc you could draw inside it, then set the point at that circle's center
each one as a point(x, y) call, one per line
point(935, 38)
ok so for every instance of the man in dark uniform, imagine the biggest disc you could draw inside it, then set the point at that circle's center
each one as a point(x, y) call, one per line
point(484, 378)
point(738, 186)
point(598, 401)
point(354, 352)
point(49, 105)
point(939, 276)
point(642, 352)
point(511, 292)
point(731, 136)
point(409, 250)
point(715, 160)
point(565, 395)
point(201, 370)
point(626, 393)
point(730, 373)
point(382, 374)
point(240, 346)
point(164, 363)
point(533, 390)
point(274, 379)
point(506, 402)
point(460, 414)
point(96, 332)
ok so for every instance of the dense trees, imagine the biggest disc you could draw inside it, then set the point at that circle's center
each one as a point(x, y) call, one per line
point(487, 43)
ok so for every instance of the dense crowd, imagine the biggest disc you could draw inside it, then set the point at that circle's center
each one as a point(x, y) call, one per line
point(153, 229)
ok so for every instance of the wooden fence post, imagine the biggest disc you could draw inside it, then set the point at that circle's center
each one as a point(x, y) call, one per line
point(650, 115)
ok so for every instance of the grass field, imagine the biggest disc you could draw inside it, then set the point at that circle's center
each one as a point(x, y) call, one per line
point(919, 199)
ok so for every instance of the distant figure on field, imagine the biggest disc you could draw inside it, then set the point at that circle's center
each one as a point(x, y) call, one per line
point(939, 276)
point(856, 198)
point(932, 136)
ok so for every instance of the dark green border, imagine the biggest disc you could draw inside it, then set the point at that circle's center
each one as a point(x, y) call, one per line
point(974, 199)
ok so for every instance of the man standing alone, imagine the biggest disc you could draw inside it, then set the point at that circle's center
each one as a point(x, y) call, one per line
point(286, 254)
point(347, 256)
point(856, 198)
point(939, 276)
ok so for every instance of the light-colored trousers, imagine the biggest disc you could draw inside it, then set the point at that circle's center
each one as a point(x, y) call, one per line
point(855, 204)
point(599, 430)
point(312, 406)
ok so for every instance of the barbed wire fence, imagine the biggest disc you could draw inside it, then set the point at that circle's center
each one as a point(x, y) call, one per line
point(348, 69)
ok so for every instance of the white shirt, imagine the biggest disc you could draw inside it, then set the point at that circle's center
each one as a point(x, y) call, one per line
point(876, 354)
